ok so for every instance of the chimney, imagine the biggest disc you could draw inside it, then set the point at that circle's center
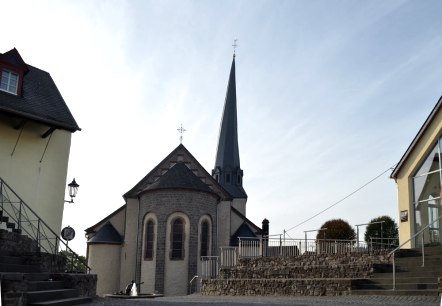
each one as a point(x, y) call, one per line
point(265, 228)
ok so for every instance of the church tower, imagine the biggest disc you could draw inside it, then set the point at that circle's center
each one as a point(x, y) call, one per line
point(227, 171)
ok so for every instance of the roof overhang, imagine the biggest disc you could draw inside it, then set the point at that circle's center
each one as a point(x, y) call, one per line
point(416, 139)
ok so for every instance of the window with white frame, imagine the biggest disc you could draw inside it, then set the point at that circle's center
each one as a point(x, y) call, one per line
point(9, 81)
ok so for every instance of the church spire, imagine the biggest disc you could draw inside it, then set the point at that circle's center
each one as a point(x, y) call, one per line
point(227, 166)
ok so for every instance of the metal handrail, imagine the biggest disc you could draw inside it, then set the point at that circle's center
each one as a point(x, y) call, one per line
point(34, 227)
point(254, 246)
point(191, 282)
point(412, 237)
point(390, 243)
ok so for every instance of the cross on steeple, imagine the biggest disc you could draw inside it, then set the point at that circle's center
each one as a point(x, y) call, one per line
point(234, 46)
point(181, 130)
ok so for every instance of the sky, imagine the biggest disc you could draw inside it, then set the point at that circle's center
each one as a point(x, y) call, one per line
point(330, 95)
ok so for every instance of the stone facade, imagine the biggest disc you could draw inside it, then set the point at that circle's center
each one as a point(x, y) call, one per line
point(294, 276)
point(163, 203)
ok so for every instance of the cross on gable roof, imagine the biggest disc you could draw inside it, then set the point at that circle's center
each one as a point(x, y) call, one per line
point(178, 170)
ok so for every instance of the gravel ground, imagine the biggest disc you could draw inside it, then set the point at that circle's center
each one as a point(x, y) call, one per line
point(197, 299)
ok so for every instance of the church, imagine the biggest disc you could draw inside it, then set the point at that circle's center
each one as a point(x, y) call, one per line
point(176, 214)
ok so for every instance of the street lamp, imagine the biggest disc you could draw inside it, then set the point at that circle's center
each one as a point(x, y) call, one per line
point(73, 189)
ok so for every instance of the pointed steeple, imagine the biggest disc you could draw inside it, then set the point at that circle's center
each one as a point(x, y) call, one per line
point(227, 167)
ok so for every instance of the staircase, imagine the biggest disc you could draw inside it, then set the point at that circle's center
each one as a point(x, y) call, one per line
point(32, 271)
point(4, 220)
point(22, 271)
point(411, 277)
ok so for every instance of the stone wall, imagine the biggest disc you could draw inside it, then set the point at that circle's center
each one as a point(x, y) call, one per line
point(16, 244)
point(13, 289)
point(14, 286)
point(294, 276)
point(163, 203)
point(85, 284)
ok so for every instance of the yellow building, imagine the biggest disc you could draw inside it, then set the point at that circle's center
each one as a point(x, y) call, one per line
point(35, 137)
point(418, 179)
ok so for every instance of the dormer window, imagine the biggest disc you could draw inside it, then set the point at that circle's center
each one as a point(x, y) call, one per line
point(9, 81)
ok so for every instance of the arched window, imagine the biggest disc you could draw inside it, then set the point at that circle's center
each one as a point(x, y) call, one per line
point(149, 236)
point(177, 243)
point(204, 238)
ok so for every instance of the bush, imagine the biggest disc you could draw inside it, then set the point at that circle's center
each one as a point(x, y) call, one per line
point(389, 230)
point(337, 229)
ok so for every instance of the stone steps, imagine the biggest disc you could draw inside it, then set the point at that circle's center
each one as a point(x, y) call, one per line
point(21, 274)
point(405, 292)
point(411, 277)
point(45, 285)
point(387, 284)
point(63, 302)
point(48, 295)
point(7, 225)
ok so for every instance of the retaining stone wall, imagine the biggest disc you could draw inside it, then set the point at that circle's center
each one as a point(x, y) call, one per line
point(13, 288)
point(13, 285)
point(85, 284)
point(294, 276)
point(13, 243)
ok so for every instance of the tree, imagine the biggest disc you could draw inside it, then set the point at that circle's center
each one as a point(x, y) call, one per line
point(337, 229)
point(389, 230)
point(74, 262)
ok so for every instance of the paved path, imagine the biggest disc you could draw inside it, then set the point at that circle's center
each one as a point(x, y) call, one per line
point(199, 300)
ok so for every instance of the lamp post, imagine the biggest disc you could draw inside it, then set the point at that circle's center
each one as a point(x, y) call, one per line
point(73, 189)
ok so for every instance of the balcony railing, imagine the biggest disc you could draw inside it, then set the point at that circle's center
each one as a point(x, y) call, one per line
point(30, 224)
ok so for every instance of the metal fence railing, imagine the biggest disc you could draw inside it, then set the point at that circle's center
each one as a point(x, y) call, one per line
point(30, 224)
point(228, 257)
point(276, 247)
point(377, 243)
point(292, 247)
point(209, 267)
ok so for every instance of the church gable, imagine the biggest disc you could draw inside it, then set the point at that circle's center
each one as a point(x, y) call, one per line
point(164, 176)
point(179, 177)
point(243, 231)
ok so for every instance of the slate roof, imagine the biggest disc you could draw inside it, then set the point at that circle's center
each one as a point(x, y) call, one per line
point(252, 225)
point(107, 234)
point(179, 177)
point(243, 231)
point(90, 230)
point(40, 101)
point(227, 154)
point(145, 182)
